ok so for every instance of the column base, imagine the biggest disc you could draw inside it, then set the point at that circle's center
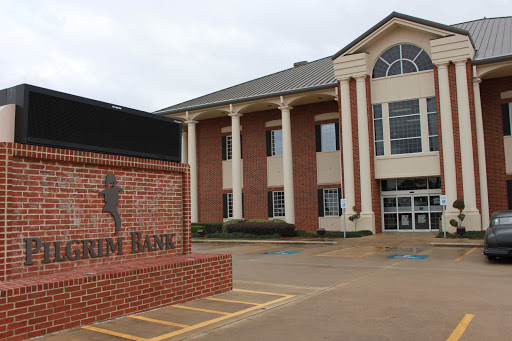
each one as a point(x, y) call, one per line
point(472, 221)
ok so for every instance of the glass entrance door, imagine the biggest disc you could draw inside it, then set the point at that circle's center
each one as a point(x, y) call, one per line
point(418, 212)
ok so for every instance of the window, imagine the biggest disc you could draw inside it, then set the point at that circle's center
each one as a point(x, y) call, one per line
point(401, 59)
point(276, 204)
point(412, 184)
point(405, 127)
point(378, 129)
point(506, 110)
point(228, 205)
point(274, 142)
point(327, 137)
point(433, 139)
point(328, 202)
point(229, 148)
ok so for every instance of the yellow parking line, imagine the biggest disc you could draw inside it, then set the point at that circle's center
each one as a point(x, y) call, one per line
point(109, 332)
point(143, 318)
point(221, 318)
point(464, 255)
point(199, 309)
point(461, 328)
point(259, 292)
point(230, 301)
point(327, 254)
point(371, 253)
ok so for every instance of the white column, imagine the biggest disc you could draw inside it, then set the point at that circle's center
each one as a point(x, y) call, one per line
point(288, 165)
point(236, 163)
point(193, 169)
point(450, 183)
point(482, 169)
point(348, 154)
point(184, 147)
point(466, 141)
point(364, 147)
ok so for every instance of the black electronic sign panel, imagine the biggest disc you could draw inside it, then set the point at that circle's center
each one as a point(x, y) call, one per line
point(55, 119)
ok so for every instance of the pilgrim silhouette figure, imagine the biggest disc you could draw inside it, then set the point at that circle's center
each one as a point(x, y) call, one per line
point(112, 199)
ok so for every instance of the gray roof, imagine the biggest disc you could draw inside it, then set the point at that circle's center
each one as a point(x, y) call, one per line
point(492, 38)
point(311, 76)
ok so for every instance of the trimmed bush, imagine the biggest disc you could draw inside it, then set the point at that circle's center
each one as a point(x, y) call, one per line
point(208, 227)
point(259, 228)
point(240, 235)
point(195, 227)
point(335, 234)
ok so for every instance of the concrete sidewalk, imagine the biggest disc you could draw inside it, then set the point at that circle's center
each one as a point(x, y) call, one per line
point(394, 239)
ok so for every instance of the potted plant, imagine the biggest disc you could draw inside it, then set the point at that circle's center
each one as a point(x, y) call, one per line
point(353, 218)
point(459, 204)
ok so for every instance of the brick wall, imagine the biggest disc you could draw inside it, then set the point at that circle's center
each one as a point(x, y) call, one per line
point(490, 90)
point(53, 195)
point(30, 308)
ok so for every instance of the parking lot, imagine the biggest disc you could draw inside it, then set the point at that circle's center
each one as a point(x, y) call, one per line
point(372, 288)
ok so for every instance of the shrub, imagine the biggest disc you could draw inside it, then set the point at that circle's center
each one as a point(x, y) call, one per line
point(194, 228)
point(266, 228)
point(208, 227)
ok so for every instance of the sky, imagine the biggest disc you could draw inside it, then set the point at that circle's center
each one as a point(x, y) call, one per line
point(151, 54)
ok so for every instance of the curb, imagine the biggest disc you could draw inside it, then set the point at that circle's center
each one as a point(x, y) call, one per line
point(256, 241)
point(471, 244)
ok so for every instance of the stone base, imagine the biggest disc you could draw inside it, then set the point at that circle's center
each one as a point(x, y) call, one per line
point(47, 304)
point(472, 221)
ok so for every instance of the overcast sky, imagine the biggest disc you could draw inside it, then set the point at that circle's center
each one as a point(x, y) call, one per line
point(152, 54)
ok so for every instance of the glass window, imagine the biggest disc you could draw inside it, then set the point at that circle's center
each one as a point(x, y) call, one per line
point(434, 183)
point(433, 139)
point(390, 204)
point(277, 142)
point(378, 129)
point(401, 59)
point(405, 127)
point(278, 199)
point(230, 205)
point(388, 185)
point(331, 202)
point(229, 148)
point(328, 133)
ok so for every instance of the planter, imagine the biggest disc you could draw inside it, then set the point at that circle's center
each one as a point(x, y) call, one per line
point(320, 232)
point(461, 231)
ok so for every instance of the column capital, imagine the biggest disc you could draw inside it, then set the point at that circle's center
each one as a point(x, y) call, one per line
point(285, 107)
point(477, 80)
point(184, 133)
point(191, 122)
point(360, 78)
point(344, 80)
point(441, 65)
point(234, 114)
point(459, 62)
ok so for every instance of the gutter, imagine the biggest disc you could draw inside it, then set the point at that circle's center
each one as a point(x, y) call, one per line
point(245, 99)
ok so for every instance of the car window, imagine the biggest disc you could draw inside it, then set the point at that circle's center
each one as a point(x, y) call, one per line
point(502, 221)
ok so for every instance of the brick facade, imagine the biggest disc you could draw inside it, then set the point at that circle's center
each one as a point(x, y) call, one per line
point(52, 195)
point(490, 90)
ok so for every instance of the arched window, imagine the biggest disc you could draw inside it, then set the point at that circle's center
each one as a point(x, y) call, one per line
point(402, 59)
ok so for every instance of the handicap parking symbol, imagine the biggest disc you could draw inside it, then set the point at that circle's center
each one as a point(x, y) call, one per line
point(409, 256)
point(279, 252)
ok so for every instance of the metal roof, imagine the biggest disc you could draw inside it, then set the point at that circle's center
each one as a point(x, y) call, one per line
point(311, 76)
point(491, 37)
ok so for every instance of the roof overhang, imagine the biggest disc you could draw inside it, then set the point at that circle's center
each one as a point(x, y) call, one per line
point(396, 18)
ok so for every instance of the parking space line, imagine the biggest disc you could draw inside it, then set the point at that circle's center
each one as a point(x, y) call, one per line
point(221, 318)
point(110, 332)
point(138, 317)
point(259, 292)
point(203, 310)
point(327, 254)
point(230, 301)
point(467, 253)
point(371, 253)
point(354, 252)
point(461, 328)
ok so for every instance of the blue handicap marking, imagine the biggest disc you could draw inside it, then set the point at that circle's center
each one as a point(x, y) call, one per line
point(279, 252)
point(409, 256)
